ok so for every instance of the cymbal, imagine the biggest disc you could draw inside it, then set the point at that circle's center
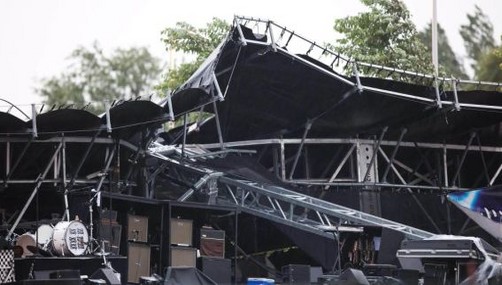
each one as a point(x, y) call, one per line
point(102, 253)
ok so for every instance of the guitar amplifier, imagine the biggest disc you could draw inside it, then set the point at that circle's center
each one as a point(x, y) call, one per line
point(139, 261)
point(296, 274)
point(181, 232)
point(137, 228)
point(212, 243)
point(183, 256)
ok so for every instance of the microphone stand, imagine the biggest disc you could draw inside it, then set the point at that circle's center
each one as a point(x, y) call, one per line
point(96, 197)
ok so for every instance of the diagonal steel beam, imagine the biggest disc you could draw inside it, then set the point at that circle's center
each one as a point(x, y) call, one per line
point(393, 155)
point(40, 179)
point(375, 152)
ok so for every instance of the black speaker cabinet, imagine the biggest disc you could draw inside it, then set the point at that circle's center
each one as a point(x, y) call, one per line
point(183, 256)
point(65, 274)
point(212, 243)
point(110, 232)
point(181, 232)
point(137, 228)
point(107, 275)
point(51, 282)
point(296, 274)
point(138, 260)
point(218, 269)
point(352, 277)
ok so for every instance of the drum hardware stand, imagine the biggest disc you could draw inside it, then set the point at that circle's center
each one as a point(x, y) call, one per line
point(92, 240)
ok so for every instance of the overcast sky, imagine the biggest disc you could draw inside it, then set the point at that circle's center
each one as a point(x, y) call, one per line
point(37, 35)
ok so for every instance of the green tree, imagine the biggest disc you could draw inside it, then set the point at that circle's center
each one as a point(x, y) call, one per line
point(477, 35)
point(383, 35)
point(489, 65)
point(93, 76)
point(448, 61)
point(199, 42)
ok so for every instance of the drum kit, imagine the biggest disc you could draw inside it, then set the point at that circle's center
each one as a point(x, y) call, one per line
point(66, 238)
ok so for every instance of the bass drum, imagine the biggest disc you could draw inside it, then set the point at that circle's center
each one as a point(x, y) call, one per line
point(26, 240)
point(44, 235)
point(70, 238)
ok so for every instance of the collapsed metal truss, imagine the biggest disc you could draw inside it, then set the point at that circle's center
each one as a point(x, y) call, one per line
point(281, 205)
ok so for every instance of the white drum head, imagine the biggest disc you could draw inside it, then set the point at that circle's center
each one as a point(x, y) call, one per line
point(44, 234)
point(25, 240)
point(70, 238)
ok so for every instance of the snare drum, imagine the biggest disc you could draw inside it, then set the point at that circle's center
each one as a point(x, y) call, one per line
point(44, 235)
point(69, 238)
point(25, 240)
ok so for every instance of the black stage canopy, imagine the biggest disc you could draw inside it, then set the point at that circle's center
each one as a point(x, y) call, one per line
point(269, 93)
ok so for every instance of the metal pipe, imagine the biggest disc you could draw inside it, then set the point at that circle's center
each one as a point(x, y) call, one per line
point(218, 126)
point(375, 152)
point(80, 163)
point(349, 141)
point(7, 158)
point(342, 163)
point(184, 135)
point(105, 170)
point(283, 160)
point(241, 34)
point(19, 158)
point(217, 86)
point(108, 117)
point(272, 39)
point(299, 151)
point(462, 159)
point(350, 183)
point(417, 201)
point(232, 73)
point(496, 175)
point(358, 80)
point(483, 161)
point(40, 179)
point(170, 107)
point(34, 120)
point(445, 166)
point(393, 155)
point(455, 95)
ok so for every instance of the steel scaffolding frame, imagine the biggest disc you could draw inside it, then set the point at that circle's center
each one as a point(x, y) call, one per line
point(390, 164)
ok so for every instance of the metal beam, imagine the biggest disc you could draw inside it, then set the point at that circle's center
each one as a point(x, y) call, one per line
point(352, 141)
point(375, 153)
point(287, 198)
point(18, 160)
point(340, 166)
point(461, 163)
point(393, 156)
point(40, 178)
point(417, 201)
point(308, 125)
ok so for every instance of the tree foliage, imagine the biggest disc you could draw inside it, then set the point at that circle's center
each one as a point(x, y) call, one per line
point(199, 42)
point(489, 65)
point(477, 35)
point(383, 35)
point(97, 77)
point(450, 65)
